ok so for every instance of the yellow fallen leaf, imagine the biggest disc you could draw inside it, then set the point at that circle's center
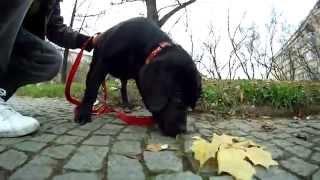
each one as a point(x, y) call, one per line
point(233, 161)
point(245, 144)
point(223, 139)
point(203, 151)
point(260, 157)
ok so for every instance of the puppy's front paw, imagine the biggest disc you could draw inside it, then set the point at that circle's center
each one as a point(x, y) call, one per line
point(82, 117)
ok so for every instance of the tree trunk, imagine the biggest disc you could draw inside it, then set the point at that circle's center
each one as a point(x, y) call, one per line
point(152, 12)
point(64, 67)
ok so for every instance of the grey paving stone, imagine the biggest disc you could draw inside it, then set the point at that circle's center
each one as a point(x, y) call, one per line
point(32, 172)
point(78, 132)
point(164, 161)
point(98, 141)
point(43, 161)
point(262, 136)
point(282, 135)
point(178, 176)
point(113, 127)
point(275, 151)
point(274, 173)
point(30, 146)
point(314, 125)
point(91, 126)
point(299, 166)
point(157, 138)
point(311, 131)
point(11, 159)
point(282, 143)
point(135, 129)
point(44, 138)
point(299, 151)
point(127, 147)
point(58, 151)
point(106, 132)
point(120, 167)
point(317, 148)
point(316, 157)
point(10, 141)
point(2, 148)
point(78, 176)
point(205, 132)
point(65, 139)
point(87, 158)
point(316, 176)
point(57, 130)
point(221, 178)
point(300, 142)
point(130, 136)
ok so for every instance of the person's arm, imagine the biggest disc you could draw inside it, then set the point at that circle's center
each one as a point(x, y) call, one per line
point(62, 35)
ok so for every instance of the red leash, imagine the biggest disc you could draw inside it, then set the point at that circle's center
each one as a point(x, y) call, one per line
point(102, 107)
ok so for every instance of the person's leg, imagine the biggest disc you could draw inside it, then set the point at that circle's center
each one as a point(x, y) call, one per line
point(33, 60)
point(11, 17)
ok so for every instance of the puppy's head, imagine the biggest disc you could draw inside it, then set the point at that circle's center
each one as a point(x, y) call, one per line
point(168, 86)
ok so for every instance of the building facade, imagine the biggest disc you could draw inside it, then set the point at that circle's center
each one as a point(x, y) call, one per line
point(299, 58)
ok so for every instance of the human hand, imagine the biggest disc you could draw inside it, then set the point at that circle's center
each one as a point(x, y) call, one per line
point(95, 40)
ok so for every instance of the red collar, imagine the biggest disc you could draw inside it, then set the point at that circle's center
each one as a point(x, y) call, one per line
point(157, 50)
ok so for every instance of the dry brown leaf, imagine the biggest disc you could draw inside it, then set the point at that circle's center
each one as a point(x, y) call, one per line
point(157, 147)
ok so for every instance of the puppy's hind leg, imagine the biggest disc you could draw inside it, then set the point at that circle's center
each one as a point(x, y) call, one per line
point(95, 77)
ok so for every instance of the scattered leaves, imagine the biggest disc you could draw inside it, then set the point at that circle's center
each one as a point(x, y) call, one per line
point(234, 155)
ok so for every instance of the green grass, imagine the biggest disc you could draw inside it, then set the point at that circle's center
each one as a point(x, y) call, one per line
point(220, 96)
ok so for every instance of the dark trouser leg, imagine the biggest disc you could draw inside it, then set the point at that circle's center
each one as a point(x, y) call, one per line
point(33, 60)
point(11, 17)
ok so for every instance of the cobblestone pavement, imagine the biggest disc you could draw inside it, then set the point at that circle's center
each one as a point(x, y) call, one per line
point(108, 149)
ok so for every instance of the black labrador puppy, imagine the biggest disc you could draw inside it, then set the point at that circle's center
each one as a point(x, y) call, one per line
point(168, 82)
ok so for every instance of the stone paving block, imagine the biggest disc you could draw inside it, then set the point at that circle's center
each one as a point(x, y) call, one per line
point(30, 146)
point(98, 141)
point(91, 126)
point(299, 151)
point(275, 152)
point(157, 138)
point(314, 125)
point(11, 159)
point(316, 157)
point(113, 127)
point(317, 148)
point(299, 166)
point(274, 173)
point(10, 141)
point(178, 176)
point(87, 158)
point(43, 161)
point(78, 132)
point(57, 130)
point(2, 148)
point(300, 142)
point(121, 167)
point(130, 136)
point(281, 143)
point(78, 176)
point(127, 147)
point(164, 161)
point(262, 136)
point(282, 136)
point(135, 129)
point(221, 178)
point(58, 151)
point(316, 176)
point(32, 172)
point(311, 131)
point(44, 138)
point(106, 132)
point(65, 139)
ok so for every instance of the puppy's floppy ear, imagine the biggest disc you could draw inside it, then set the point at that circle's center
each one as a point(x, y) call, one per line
point(154, 85)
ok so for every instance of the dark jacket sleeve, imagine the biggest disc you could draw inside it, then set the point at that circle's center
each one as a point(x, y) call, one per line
point(62, 35)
